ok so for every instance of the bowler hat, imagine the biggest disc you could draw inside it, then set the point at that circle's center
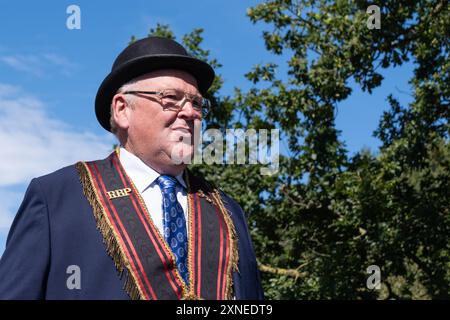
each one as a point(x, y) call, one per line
point(141, 57)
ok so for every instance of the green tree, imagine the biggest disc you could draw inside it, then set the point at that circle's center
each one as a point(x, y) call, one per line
point(389, 209)
point(325, 217)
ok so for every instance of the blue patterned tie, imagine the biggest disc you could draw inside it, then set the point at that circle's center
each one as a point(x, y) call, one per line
point(174, 224)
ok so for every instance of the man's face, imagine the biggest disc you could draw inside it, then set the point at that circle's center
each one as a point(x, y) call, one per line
point(154, 134)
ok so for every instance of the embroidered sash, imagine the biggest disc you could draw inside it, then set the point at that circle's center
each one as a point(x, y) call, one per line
point(137, 247)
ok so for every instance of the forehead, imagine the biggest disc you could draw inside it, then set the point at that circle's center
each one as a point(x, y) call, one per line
point(169, 78)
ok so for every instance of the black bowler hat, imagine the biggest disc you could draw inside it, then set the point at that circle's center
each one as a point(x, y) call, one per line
point(141, 57)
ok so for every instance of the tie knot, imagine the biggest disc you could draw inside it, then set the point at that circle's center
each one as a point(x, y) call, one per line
point(167, 182)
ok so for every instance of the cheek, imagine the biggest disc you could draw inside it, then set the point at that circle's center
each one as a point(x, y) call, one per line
point(157, 128)
point(161, 118)
point(153, 122)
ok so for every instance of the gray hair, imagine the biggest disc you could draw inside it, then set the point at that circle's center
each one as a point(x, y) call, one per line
point(129, 100)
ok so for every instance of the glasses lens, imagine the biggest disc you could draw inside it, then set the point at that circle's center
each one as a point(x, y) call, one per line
point(197, 102)
point(171, 98)
point(206, 106)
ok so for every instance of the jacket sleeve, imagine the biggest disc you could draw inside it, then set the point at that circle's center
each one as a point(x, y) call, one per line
point(25, 261)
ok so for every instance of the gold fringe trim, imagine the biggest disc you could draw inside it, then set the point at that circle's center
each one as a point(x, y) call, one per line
point(191, 231)
point(191, 296)
point(234, 254)
point(113, 247)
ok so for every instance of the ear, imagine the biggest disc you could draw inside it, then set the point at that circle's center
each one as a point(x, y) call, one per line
point(121, 111)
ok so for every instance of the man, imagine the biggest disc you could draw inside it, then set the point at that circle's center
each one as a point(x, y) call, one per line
point(137, 224)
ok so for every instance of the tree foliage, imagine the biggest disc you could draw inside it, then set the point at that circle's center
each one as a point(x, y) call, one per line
point(325, 217)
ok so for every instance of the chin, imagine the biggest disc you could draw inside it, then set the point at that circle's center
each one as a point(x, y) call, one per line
point(181, 153)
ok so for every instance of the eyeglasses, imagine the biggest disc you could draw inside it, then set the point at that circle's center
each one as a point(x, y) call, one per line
point(172, 99)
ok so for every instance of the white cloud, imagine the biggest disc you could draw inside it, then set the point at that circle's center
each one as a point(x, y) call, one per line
point(38, 64)
point(23, 63)
point(66, 67)
point(34, 144)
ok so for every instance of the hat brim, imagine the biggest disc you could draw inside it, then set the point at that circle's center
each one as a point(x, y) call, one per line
point(200, 70)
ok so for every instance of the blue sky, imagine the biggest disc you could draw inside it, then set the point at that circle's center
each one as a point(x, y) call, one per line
point(49, 76)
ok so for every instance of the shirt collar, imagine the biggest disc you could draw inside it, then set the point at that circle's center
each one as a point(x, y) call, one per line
point(142, 175)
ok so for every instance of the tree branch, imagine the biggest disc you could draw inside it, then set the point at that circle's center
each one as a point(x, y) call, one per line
point(294, 201)
point(295, 273)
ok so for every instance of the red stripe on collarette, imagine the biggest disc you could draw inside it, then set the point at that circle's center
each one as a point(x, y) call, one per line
point(199, 246)
point(145, 221)
point(227, 257)
point(192, 242)
point(127, 238)
point(219, 272)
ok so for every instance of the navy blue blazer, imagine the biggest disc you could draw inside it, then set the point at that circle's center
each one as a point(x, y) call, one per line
point(55, 228)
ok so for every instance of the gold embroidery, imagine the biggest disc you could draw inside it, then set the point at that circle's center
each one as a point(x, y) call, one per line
point(125, 192)
point(203, 195)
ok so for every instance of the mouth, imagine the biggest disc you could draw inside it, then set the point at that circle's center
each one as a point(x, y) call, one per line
point(183, 129)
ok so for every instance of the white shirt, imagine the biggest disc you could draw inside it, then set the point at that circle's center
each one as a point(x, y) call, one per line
point(144, 178)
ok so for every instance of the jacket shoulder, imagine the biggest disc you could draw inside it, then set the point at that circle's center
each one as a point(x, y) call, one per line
point(66, 175)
